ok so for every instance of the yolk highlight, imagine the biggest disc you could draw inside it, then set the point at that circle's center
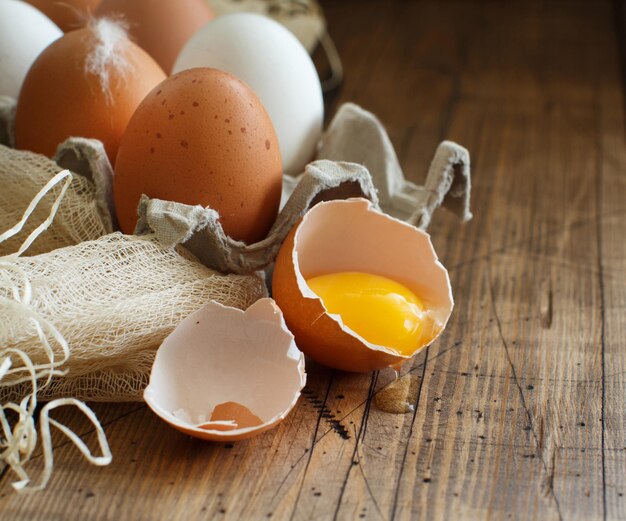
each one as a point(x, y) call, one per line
point(378, 309)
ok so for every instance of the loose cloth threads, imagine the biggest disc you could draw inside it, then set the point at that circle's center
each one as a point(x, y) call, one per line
point(19, 437)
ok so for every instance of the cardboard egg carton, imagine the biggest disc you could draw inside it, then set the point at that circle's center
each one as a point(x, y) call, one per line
point(355, 158)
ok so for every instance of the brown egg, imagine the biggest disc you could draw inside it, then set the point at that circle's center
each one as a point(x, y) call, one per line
point(88, 84)
point(161, 27)
point(202, 137)
point(67, 14)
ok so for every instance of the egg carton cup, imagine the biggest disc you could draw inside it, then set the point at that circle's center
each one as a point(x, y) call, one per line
point(355, 158)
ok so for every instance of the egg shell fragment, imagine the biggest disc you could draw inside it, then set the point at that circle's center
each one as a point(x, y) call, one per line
point(219, 359)
point(351, 235)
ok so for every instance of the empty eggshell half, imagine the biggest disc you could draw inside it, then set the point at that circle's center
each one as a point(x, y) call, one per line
point(347, 236)
point(225, 374)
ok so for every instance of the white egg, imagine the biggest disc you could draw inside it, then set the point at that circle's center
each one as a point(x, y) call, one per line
point(24, 33)
point(270, 59)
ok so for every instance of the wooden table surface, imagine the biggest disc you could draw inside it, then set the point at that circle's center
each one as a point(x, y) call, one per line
point(520, 407)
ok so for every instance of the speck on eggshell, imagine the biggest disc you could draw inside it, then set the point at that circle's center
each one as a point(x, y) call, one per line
point(187, 150)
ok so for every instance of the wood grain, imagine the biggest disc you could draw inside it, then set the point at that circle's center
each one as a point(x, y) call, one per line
point(519, 407)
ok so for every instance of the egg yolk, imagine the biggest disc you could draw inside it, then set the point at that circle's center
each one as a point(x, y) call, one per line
point(378, 309)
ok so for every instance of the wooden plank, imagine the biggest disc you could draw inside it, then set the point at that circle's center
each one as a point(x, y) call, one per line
point(610, 235)
point(108, 413)
point(155, 465)
point(527, 369)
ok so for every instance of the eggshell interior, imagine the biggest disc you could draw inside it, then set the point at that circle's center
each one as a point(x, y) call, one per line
point(230, 416)
point(351, 235)
point(222, 356)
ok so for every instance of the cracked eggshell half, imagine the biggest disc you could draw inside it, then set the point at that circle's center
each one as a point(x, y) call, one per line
point(225, 374)
point(352, 235)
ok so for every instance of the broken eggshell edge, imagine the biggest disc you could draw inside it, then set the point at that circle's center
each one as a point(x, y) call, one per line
point(226, 349)
point(320, 244)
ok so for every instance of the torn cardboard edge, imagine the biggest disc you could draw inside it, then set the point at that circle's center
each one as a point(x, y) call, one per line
point(355, 159)
point(357, 135)
point(87, 158)
point(198, 229)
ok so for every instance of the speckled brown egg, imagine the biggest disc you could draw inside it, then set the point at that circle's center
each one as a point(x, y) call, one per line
point(88, 84)
point(202, 137)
